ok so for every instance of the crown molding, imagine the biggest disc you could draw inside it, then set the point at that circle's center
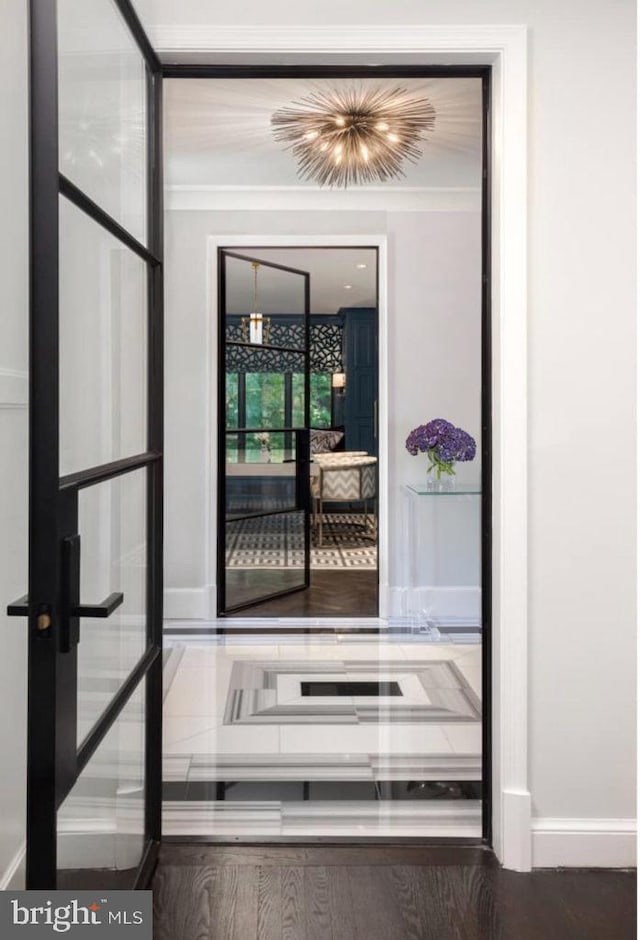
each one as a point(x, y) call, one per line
point(312, 199)
point(175, 43)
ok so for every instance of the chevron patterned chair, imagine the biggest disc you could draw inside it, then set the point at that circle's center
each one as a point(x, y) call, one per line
point(344, 478)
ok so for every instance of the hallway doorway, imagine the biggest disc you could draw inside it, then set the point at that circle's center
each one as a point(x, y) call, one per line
point(298, 442)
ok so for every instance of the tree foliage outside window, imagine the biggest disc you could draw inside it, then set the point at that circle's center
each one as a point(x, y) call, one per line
point(265, 408)
point(320, 399)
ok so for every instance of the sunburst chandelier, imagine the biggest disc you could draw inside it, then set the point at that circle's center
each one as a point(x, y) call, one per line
point(356, 135)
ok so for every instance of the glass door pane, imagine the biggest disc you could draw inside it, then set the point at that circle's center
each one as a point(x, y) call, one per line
point(264, 479)
point(103, 110)
point(94, 598)
point(112, 523)
point(103, 345)
point(265, 528)
point(100, 828)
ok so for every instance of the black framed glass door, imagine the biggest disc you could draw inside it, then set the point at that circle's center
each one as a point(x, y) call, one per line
point(94, 601)
point(263, 441)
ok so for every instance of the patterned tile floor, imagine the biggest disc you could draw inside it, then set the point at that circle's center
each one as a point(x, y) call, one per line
point(277, 542)
point(248, 753)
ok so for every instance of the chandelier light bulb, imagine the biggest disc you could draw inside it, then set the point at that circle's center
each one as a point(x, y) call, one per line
point(343, 137)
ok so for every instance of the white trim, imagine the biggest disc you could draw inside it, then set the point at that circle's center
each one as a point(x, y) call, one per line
point(504, 47)
point(292, 241)
point(312, 199)
point(14, 389)
point(186, 603)
point(458, 601)
point(584, 843)
point(202, 42)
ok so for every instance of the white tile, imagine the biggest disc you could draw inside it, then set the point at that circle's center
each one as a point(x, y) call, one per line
point(195, 657)
point(180, 729)
point(473, 674)
point(417, 652)
point(363, 739)
point(342, 651)
point(235, 739)
point(197, 692)
point(464, 737)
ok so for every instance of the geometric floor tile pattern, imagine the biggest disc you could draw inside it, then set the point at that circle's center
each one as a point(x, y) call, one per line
point(277, 542)
point(286, 735)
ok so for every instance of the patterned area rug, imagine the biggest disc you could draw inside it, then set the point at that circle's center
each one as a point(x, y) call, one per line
point(277, 542)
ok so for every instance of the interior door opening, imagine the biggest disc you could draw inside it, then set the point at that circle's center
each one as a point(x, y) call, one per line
point(298, 438)
point(344, 724)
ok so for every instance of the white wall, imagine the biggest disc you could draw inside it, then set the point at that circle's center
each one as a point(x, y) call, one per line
point(434, 356)
point(13, 429)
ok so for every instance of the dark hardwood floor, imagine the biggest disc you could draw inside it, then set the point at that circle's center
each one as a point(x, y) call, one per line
point(380, 893)
point(335, 593)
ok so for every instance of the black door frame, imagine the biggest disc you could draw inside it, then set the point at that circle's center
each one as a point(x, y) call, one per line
point(221, 416)
point(301, 436)
point(53, 760)
point(484, 73)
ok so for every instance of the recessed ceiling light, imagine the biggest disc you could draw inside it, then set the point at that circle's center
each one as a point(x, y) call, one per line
point(347, 286)
point(361, 266)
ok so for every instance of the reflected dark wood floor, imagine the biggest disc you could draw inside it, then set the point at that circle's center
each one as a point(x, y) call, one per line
point(336, 593)
point(380, 893)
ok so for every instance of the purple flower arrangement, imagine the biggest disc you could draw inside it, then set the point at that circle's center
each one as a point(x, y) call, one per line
point(443, 444)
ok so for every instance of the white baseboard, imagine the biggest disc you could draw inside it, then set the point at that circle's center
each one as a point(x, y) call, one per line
point(186, 604)
point(583, 843)
point(513, 834)
point(441, 601)
point(200, 603)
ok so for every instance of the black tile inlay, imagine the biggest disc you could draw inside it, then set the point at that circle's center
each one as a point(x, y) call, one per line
point(295, 791)
point(350, 688)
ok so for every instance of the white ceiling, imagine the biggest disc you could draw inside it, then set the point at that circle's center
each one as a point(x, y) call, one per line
point(218, 132)
point(208, 12)
point(330, 270)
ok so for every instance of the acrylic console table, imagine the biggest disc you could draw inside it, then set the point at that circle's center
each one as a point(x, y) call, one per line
point(444, 552)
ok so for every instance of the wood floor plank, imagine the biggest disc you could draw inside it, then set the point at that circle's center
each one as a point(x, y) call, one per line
point(378, 915)
point(293, 919)
point(343, 914)
point(336, 593)
point(234, 904)
point(182, 902)
point(569, 905)
point(390, 901)
point(405, 890)
point(269, 902)
point(438, 896)
point(316, 903)
point(472, 903)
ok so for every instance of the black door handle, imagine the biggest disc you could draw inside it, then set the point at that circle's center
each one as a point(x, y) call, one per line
point(71, 610)
point(105, 609)
point(20, 608)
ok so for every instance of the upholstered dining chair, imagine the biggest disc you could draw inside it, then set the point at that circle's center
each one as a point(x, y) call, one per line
point(344, 478)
